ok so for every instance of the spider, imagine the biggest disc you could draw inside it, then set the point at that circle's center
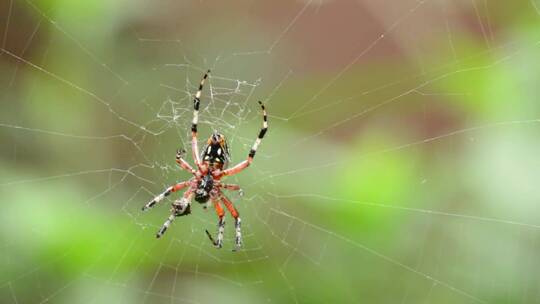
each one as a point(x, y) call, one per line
point(206, 185)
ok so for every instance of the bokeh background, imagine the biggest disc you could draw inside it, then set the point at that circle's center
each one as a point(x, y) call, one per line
point(401, 164)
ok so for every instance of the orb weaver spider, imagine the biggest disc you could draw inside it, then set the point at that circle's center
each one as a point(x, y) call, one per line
point(206, 182)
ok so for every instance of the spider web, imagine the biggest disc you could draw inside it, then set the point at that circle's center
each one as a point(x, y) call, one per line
point(390, 174)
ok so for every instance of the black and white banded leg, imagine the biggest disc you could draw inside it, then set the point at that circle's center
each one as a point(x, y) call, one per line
point(196, 105)
point(218, 242)
point(164, 194)
point(241, 166)
point(238, 234)
point(261, 133)
point(165, 226)
point(221, 230)
point(180, 207)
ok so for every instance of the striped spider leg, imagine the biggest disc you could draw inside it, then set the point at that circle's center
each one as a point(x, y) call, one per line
point(241, 166)
point(180, 207)
point(196, 104)
point(165, 193)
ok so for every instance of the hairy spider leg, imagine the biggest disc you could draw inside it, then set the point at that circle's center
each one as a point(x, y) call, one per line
point(238, 232)
point(196, 104)
point(179, 208)
point(241, 166)
point(164, 194)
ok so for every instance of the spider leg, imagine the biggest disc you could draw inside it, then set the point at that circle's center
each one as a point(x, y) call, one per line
point(221, 225)
point(237, 222)
point(164, 194)
point(233, 187)
point(180, 207)
point(196, 104)
point(166, 225)
point(241, 166)
point(184, 164)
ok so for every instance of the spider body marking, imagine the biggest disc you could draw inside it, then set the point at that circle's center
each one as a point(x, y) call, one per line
point(204, 188)
point(205, 185)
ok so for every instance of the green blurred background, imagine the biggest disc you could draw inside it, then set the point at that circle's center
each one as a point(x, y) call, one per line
point(401, 164)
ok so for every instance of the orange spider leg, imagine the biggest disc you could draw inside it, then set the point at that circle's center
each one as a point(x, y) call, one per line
point(232, 187)
point(221, 224)
point(219, 210)
point(183, 164)
point(229, 206)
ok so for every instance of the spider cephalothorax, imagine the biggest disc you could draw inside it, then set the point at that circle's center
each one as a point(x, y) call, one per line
point(206, 184)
